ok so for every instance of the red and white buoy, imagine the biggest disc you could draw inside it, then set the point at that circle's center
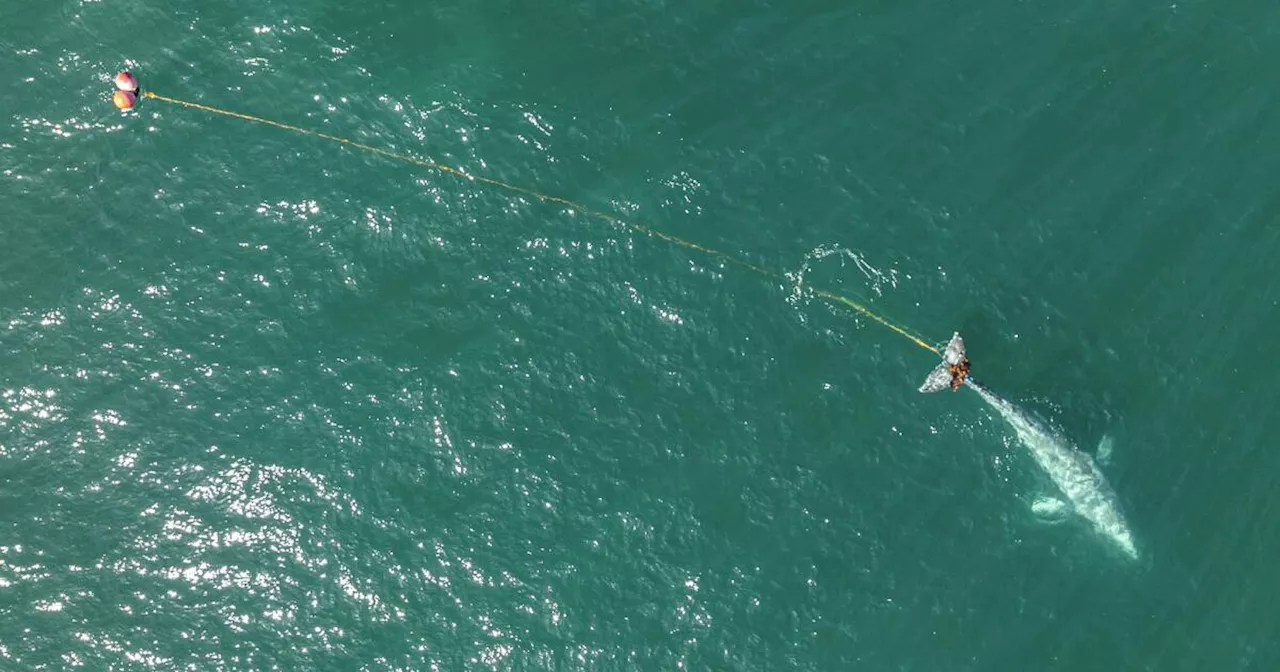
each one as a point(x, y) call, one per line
point(126, 95)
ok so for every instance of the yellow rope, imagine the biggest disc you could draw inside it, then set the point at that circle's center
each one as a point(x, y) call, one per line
point(612, 219)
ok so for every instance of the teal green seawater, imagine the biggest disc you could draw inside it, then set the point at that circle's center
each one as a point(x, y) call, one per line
point(271, 403)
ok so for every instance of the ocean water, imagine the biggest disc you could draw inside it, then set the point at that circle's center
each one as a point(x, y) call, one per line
point(272, 403)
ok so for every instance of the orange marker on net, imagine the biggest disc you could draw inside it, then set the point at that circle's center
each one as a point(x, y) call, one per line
point(124, 100)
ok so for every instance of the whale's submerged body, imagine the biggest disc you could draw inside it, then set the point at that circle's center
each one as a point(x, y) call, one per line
point(1073, 471)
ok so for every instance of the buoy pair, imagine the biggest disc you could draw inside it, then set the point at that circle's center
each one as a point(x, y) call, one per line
point(127, 91)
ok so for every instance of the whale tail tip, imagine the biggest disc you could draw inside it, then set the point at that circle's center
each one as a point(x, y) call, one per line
point(953, 370)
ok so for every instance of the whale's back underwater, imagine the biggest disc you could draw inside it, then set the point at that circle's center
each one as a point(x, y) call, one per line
point(1074, 472)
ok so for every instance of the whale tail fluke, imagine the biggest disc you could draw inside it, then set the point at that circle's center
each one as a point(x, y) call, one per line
point(952, 371)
